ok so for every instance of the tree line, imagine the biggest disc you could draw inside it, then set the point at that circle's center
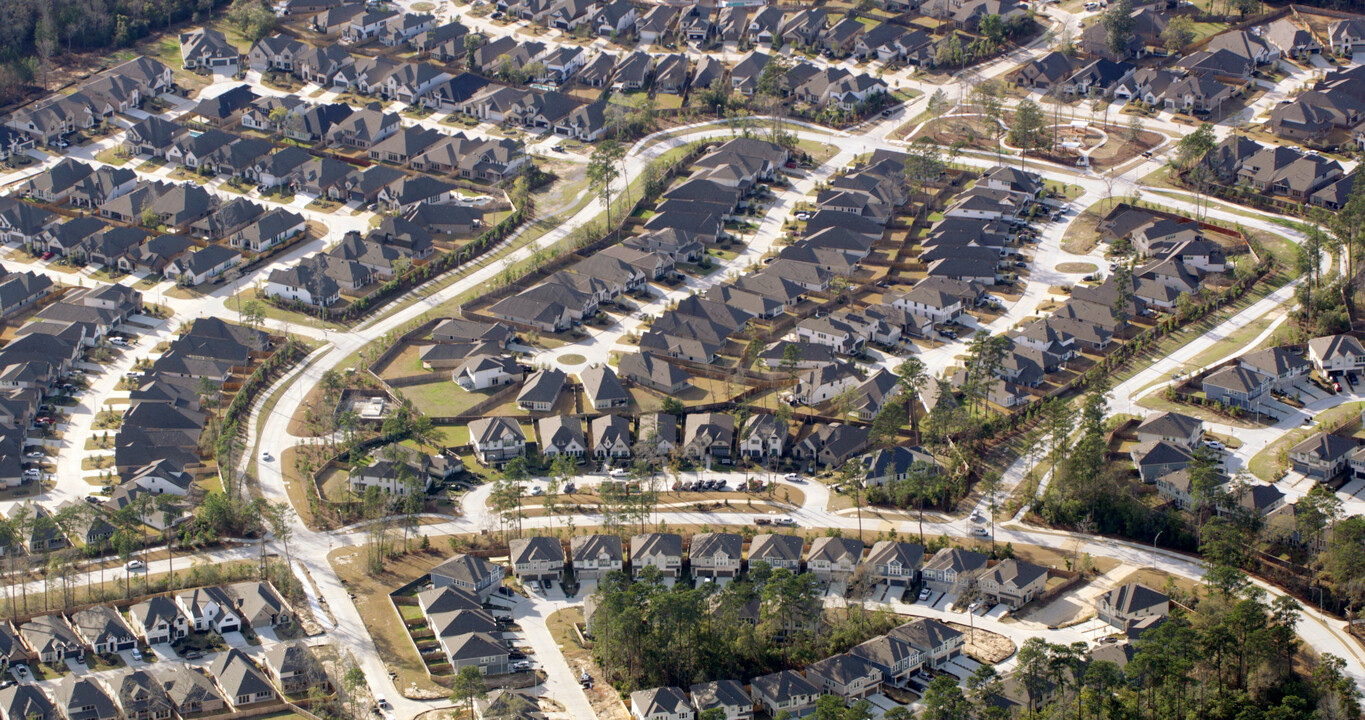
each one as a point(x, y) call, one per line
point(1226, 653)
point(646, 634)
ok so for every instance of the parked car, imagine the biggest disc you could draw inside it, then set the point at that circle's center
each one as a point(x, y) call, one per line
point(135, 565)
point(924, 594)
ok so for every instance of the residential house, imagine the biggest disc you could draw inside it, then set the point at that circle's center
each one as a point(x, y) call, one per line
point(1012, 582)
point(471, 574)
point(848, 676)
point(834, 559)
point(658, 550)
point(895, 563)
point(496, 440)
point(242, 684)
point(562, 435)
point(784, 692)
point(1131, 603)
point(664, 703)
point(952, 569)
point(595, 555)
point(716, 555)
point(537, 558)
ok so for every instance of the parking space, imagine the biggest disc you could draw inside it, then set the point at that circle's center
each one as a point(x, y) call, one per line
point(944, 601)
point(836, 590)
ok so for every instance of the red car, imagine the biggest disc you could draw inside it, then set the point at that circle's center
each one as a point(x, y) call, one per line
point(47, 255)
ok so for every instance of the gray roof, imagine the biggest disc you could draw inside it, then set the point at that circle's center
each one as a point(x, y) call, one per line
point(776, 547)
point(957, 560)
point(1134, 597)
point(139, 693)
point(237, 675)
point(464, 568)
point(886, 552)
point(706, 545)
point(187, 686)
point(719, 694)
point(781, 686)
point(1015, 573)
point(536, 548)
point(665, 700)
point(600, 383)
point(924, 634)
point(75, 693)
point(836, 549)
point(543, 386)
point(1170, 424)
point(654, 544)
point(586, 547)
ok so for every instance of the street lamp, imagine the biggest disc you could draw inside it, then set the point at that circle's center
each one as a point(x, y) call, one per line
point(1158, 537)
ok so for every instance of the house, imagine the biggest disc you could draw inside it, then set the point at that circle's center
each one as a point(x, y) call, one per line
point(241, 682)
point(103, 629)
point(595, 555)
point(848, 676)
point(709, 435)
point(26, 702)
point(763, 436)
point(294, 669)
point(82, 698)
point(536, 558)
point(831, 445)
point(785, 692)
point(1333, 355)
point(1012, 582)
point(665, 703)
point(952, 569)
point(541, 390)
point(208, 49)
point(1282, 365)
point(644, 368)
point(778, 551)
point(1131, 603)
point(561, 435)
point(659, 550)
point(897, 464)
point(1173, 428)
point(834, 559)
point(203, 265)
point(1292, 40)
point(1154, 459)
point(51, 639)
point(496, 440)
point(477, 649)
point(1238, 387)
point(611, 437)
point(398, 477)
point(1347, 36)
point(895, 658)
point(190, 690)
point(1252, 502)
point(603, 389)
point(728, 696)
point(936, 643)
point(209, 608)
point(141, 696)
point(895, 563)
point(159, 620)
point(1322, 457)
point(481, 371)
point(716, 555)
point(471, 574)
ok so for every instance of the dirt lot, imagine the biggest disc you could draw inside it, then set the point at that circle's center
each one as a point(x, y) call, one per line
point(382, 621)
point(984, 646)
point(605, 701)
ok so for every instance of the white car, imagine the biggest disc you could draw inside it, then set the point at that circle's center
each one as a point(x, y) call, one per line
point(792, 477)
point(137, 654)
point(135, 565)
point(924, 594)
point(1215, 445)
point(980, 531)
point(34, 473)
point(267, 457)
point(116, 340)
point(35, 456)
point(620, 473)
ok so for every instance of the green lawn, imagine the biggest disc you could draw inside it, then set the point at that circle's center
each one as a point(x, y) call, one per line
point(443, 399)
